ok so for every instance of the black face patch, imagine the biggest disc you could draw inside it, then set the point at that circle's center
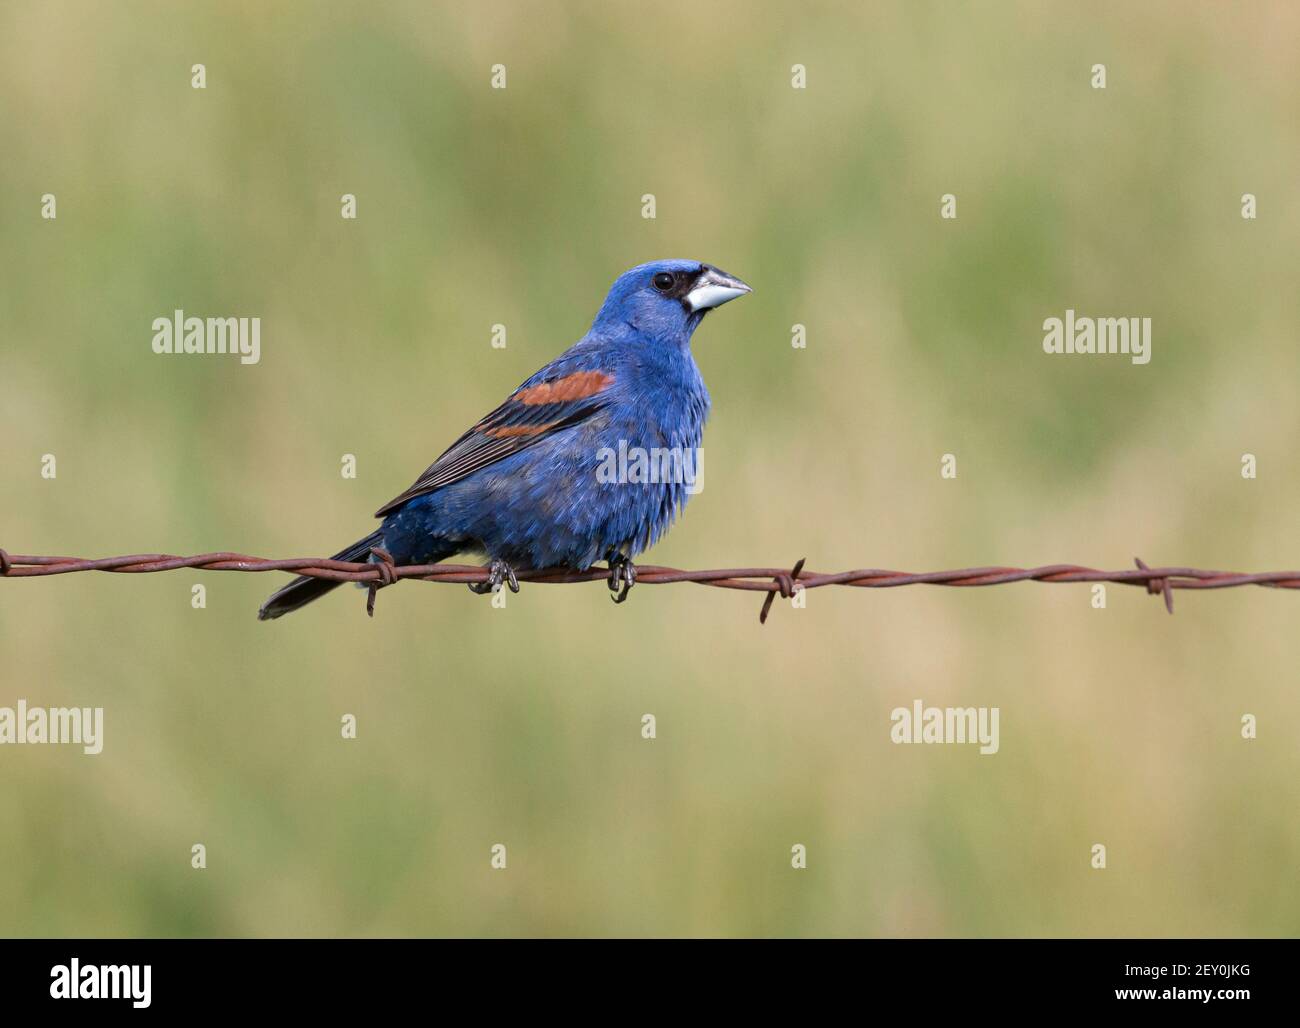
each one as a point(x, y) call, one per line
point(681, 285)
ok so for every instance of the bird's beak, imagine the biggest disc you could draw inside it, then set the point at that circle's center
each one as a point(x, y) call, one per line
point(713, 288)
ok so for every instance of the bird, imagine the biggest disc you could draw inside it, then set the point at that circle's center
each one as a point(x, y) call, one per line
point(532, 485)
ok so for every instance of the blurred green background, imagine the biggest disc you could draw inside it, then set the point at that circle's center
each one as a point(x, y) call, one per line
point(522, 726)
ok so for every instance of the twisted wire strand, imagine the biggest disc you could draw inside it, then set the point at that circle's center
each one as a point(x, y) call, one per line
point(770, 580)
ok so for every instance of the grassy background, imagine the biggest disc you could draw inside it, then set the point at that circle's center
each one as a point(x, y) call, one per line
point(521, 726)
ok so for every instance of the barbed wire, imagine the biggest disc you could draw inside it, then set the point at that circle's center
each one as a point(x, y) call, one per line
point(774, 582)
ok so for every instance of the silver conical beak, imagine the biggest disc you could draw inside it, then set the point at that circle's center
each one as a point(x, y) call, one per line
point(713, 288)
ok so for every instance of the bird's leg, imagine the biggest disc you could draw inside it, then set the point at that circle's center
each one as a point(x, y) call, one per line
point(500, 573)
point(622, 576)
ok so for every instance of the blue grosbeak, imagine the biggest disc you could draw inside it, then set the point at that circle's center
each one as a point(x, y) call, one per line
point(529, 484)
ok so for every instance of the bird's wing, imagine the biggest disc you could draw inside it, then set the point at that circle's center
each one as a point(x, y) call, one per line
point(545, 404)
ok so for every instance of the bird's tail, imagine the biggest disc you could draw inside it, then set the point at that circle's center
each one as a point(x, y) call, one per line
point(302, 590)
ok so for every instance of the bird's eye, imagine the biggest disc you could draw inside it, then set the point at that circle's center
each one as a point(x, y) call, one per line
point(663, 281)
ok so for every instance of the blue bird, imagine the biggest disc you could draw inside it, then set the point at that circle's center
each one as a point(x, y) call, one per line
point(588, 460)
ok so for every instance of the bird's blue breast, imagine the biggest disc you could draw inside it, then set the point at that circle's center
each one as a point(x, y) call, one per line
point(584, 493)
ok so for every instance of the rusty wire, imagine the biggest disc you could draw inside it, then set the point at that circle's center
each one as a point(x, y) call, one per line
point(772, 581)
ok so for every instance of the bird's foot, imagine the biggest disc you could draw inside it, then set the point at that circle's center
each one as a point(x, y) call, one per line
point(622, 576)
point(500, 574)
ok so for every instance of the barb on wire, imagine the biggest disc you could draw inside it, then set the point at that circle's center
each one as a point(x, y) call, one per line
point(771, 581)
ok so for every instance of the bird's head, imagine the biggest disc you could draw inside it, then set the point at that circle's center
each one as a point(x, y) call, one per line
point(666, 299)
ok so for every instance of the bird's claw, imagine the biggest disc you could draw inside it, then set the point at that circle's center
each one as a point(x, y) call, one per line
point(622, 576)
point(500, 573)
